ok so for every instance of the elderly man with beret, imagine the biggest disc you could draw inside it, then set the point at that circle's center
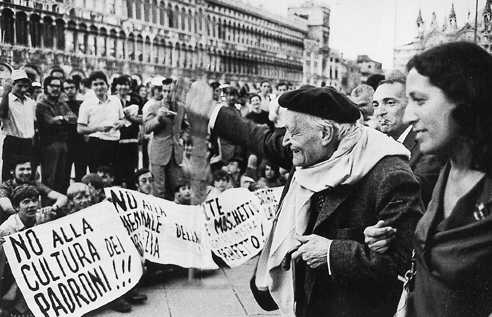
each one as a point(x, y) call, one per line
point(344, 176)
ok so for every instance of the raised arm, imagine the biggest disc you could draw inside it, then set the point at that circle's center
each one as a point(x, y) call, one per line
point(258, 139)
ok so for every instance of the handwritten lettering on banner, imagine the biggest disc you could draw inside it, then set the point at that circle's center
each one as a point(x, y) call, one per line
point(237, 224)
point(74, 264)
point(164, 232)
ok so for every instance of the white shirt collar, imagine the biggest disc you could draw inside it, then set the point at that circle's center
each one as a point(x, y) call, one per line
point(405, 134)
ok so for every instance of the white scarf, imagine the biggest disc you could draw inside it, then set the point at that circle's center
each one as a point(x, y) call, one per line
point(357, 153)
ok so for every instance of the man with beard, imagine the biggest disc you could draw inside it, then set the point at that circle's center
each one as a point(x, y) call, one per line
point(344, 176)
point(22, 175)
point(56, 123)
point(389, 102)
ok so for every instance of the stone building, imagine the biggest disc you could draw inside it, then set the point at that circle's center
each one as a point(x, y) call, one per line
point(368, 66)
point(229, 39)
point(436, 33)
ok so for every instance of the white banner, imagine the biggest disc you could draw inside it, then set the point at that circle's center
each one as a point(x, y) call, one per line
point(238, 224)
point(164, 232)
point(82, 261)
point(75, 264)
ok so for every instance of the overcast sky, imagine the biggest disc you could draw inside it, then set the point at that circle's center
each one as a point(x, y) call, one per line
point(374, 27)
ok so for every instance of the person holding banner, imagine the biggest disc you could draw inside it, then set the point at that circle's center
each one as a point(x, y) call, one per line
point(344, 176)
point(25, 199)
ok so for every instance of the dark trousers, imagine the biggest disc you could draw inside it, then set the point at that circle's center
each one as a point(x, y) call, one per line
point(77, 156)
point(126, 164)
point(101, 153)
point(145, 153)
point(15, 150)
point(54, 157)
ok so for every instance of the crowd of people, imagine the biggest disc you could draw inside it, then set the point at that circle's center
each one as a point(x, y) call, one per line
point(394, 176)
point(69, 138)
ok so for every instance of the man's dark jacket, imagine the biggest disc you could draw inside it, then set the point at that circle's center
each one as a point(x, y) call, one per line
point(426, 168)
point(362, 282)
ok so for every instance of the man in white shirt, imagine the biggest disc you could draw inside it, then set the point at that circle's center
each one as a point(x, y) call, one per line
point(17, 122)
point(101, 118)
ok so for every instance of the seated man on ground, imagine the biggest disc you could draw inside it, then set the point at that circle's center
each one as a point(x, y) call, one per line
point(25, 201)
point(144, 181)
point(22, 175)
point(96, 186)
point(182, 193)
point(79, 197)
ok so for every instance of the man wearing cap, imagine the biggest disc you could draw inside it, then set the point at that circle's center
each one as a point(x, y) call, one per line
point(165, 120)
point(17, 122)
point(343, 176)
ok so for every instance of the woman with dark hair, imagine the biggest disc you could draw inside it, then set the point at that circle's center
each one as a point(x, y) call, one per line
point(450, 107)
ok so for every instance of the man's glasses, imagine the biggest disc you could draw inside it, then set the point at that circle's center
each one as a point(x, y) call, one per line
point(68, 87)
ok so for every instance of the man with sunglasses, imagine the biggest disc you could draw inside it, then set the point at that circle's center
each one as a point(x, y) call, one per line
point(17, 114)
point(55, 123)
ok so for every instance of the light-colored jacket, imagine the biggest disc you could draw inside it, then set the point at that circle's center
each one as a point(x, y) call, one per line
point(166, 133)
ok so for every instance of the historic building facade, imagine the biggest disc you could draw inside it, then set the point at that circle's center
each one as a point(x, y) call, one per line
point(229, 39)
point(436, 33)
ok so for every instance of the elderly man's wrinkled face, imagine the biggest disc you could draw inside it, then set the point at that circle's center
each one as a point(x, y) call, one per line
point(389, 107)
point(304, 139)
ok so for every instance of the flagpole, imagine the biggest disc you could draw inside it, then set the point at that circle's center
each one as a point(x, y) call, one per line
point(476, 21)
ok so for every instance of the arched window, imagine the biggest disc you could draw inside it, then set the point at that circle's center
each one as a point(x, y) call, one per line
point(49, 31)
point(112, 43)
point(7, 26)
point(131, 46)
point(200, 17)
point(213, 26)
point(147, 51)
point(147, 10)
point(170, 16)
point(35, 30)
point(138, 9)
point(162, 13)
point(129, 8)
point(60, 34)
point(82, 39)
point(190, 18)
point(120, 46)
point(183, 19)
point(21, 28)
point(92, 41)
point(154, 10)
point(101, 43)
point(139, 50)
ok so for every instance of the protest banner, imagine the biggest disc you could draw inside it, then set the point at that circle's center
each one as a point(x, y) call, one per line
point(74, 264)
point(80, 262)
point(164, 232)
point(237, 223)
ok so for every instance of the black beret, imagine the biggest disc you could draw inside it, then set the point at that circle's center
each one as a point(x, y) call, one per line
point(323, 102)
